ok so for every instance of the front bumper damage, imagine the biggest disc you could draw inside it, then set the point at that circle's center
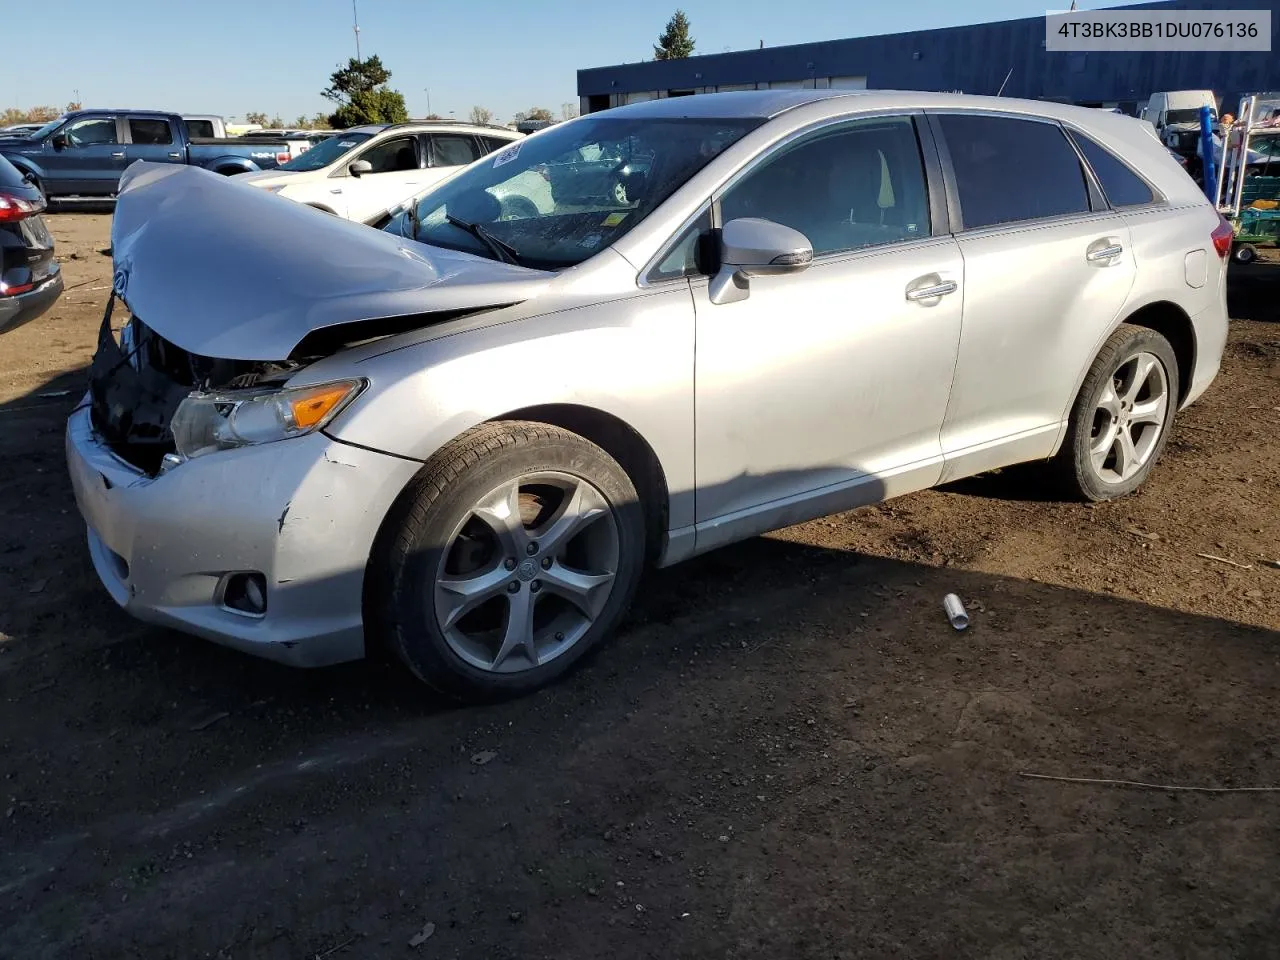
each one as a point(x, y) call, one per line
point(302, 513)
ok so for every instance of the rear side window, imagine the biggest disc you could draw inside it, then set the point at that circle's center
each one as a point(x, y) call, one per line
point(200, 128)
point(10, 176)
point(1123, 187)
point(494, 143)
point(1008, 170)
point(453, 150)
point(149, 132)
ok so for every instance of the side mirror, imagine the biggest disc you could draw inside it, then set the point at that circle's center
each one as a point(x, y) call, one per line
point(751, 247)
point(358, 168)
point(59, 141)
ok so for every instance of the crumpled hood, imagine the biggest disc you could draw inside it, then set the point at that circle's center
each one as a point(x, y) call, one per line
point(226, 270)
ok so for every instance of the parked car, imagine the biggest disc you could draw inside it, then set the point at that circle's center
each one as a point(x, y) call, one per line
point(20, 129)
point(84, 152)
point(364, 170)
point(465, 436)
point(1175, 115)
point(30, 279)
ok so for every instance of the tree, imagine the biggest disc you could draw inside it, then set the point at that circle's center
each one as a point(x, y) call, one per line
point(675, 42)
point(42, 114)
point(481, 115)
point(361, 92)
point(303, 122)
point(11, 116)
point(534, 113)
point(73, 105)
point(277, 121)
point(259, 118)
point(320, 121)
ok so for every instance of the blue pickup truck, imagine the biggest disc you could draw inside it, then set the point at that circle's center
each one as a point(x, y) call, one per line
point(84, 152)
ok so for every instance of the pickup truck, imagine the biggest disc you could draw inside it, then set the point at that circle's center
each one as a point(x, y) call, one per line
point(84, 152)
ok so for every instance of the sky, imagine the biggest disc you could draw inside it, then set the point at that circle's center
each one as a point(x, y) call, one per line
point(275, 56)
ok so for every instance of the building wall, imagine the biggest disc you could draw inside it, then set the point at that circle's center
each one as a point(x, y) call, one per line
point(972, 59)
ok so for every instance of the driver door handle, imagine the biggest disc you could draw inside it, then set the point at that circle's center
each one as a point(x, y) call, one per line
point(175, 156)
point(119, 155)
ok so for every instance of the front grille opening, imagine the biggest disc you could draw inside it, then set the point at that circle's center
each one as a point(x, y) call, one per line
point(137, 381)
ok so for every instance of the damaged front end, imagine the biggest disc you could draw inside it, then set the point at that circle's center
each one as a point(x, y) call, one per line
point(155, 404)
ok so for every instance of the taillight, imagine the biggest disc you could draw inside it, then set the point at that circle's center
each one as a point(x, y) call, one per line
point(18, 208)
point(1222, 236)
point(283, 158)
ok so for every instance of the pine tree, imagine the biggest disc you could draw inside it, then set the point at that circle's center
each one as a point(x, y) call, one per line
point(675, 42)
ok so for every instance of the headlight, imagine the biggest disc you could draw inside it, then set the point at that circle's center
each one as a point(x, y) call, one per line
point(207, 422)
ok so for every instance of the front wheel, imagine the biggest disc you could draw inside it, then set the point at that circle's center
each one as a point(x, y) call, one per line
point(516, 550)
point(1121, 417)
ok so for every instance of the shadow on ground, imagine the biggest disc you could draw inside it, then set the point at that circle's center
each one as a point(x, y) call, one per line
point(786, 752)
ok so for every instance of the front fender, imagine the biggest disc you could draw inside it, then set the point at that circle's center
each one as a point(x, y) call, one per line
point(27, 165)
point(630, 358)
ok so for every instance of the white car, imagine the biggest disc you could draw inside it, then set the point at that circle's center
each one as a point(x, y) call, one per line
point(365, 170)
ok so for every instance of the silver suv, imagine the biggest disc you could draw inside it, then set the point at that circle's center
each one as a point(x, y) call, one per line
point(465, 435)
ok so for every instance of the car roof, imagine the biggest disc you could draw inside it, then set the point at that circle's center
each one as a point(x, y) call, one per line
point(767, 104)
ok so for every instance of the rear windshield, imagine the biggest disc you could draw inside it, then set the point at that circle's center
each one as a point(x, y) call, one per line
point(200, 128)
point(325, 152)
point(9, 175)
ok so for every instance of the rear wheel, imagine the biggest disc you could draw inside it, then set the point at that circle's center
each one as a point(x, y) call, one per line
point(517, 549)
point(1121, 417)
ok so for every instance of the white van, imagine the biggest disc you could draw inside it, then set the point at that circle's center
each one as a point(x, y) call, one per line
point(1178, 111)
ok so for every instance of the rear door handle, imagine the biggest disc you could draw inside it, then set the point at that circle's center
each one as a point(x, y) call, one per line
point(175, 156)
point(939, 288)
point(1100, 251)
point(118, 156)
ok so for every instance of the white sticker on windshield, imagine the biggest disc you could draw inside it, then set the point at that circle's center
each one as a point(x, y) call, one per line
point(347, 143)
point(506, 155)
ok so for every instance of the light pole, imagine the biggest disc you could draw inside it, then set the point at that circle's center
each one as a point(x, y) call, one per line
point(355, 23)
point(428, 90)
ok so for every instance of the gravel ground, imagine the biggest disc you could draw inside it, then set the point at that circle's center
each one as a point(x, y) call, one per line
point(786, 753)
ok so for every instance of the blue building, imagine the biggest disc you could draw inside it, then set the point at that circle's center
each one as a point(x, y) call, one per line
point(976, 59)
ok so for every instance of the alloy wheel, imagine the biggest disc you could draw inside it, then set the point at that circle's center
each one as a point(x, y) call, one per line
point(527, 572)
point(1130, 418)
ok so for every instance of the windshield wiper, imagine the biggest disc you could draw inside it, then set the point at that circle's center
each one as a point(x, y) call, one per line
point(500, 249)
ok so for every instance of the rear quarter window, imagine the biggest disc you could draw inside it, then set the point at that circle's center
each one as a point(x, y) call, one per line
point(10, 176)
point(1008, 169)
point(1122, 186)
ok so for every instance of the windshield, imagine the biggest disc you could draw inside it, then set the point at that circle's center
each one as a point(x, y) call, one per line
point(325, 152)
point(1187, 116)
point(47, 129)
point(563, 195)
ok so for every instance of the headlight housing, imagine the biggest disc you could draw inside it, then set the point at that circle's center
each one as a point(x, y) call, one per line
point(208, 422)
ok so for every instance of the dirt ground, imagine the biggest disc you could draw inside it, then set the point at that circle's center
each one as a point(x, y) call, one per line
point(786, 753)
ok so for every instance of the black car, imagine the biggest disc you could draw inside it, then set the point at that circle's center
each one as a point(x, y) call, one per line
point(30, 279)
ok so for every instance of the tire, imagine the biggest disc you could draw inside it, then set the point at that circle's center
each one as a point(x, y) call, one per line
point(519, 208)
point(442, 530)
point(618, 192)
point(1244, 253)
point(1144, 411)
